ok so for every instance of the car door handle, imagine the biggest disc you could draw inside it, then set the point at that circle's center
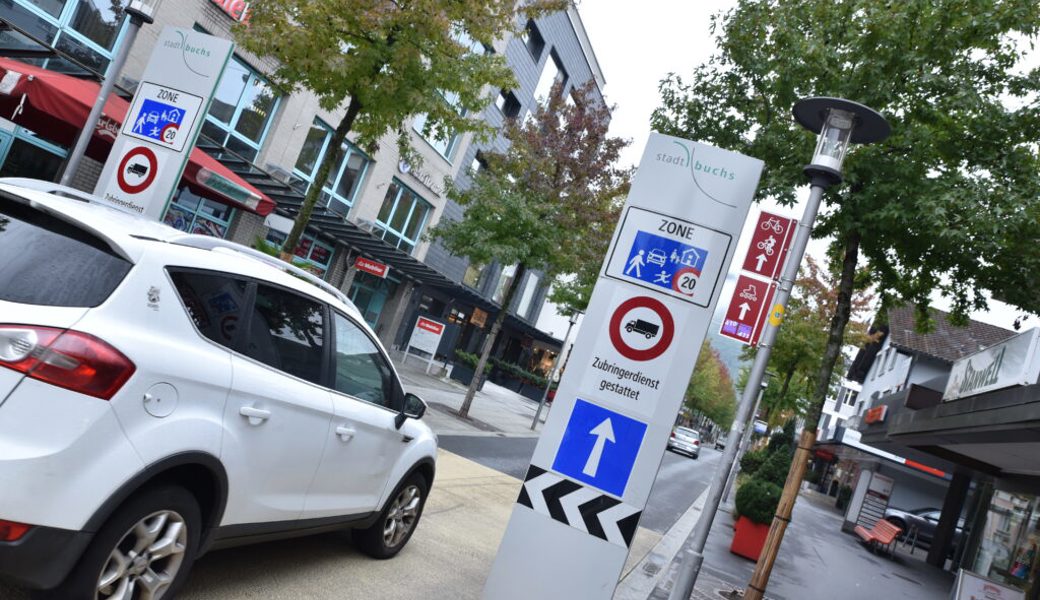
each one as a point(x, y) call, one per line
point(345, 433)
point(256, 415)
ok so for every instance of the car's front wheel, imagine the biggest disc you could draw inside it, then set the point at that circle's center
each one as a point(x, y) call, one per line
point(143, 552)
point(396, 524)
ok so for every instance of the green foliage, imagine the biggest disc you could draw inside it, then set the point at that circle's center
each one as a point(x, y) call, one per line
point(775, 468)
point(757, 500)
point(266, 247)
point(753, 459)
point(710, 389)
point(470, 360)
point(517, 372)
point(812, 477)
point(783, 439)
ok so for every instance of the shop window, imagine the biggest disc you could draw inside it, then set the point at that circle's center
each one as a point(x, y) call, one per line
point(1009, 541)
point(402, 217)
point(23, 154)
point(370, 293)
point(534, 41)
point(86, 29)
point(458, 317)
point(344, 179)
point(552, 74)
point(311, 254)
point(192, 213)
point(242, 109)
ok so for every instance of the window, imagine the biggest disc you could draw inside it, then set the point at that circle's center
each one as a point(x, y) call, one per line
point(241, 111)
point(286, 331)
point(310, 254)
point(361, 371)
point(479, 164)
point(524, 306)
point(402, 216)
point(472, 275)
point(343, 182)
point(852, 398)
point(552, 73)
point(194, 214)
point(504, 279)
point(534, 41)
point(442, 141)
point(27, 155)
point(48, 262)
point(214, 303)
point(85, 29)
point(508, 104)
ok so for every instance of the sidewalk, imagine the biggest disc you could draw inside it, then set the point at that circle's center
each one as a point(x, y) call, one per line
point(816, 562)
point(495, 410)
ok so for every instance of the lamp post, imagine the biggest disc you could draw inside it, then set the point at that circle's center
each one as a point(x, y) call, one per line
point(745, 439)
point(139, 12)
point(839, 123)
point(556, 363)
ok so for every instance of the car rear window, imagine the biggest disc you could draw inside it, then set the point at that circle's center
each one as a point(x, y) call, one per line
point(688, 432)
point(49, 262)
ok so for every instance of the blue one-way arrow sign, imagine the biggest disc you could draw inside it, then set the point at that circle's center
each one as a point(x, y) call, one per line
point(599, 447)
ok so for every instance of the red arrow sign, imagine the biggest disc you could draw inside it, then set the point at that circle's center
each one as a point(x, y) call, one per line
point(773, 234)
point(744, 315)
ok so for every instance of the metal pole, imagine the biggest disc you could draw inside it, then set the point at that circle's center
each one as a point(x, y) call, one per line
point(114, 69)
point(745, 441)
point(552, 373)
point(694, 552)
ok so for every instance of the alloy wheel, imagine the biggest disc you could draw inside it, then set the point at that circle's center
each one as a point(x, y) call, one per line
point(145, 562)
point(401, 517)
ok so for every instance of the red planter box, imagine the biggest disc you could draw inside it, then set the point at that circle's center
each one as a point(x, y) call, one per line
point(748, 538)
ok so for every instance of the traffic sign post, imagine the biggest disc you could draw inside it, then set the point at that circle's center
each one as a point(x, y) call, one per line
point(602, 445)
point(151, 150)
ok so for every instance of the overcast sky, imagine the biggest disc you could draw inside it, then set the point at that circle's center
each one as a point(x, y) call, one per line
point(637, 45)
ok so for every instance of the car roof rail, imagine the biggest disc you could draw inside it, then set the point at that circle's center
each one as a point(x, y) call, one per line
point(39, 185)
point(205, 242)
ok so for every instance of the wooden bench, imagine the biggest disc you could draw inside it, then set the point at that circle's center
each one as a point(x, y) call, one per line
point(883, 534)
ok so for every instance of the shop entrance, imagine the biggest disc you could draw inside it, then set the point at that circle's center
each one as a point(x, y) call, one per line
point(370, 293)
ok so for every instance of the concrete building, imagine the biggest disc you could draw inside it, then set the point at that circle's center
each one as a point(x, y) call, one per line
point(375, 208)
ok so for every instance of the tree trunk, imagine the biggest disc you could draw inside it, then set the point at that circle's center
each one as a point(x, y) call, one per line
point(757, 586)
point(767, 411)
point(331, 159)
point(489, 342)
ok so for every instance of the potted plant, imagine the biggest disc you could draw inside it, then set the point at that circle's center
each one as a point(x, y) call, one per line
point(464, 365)
point(756, 503)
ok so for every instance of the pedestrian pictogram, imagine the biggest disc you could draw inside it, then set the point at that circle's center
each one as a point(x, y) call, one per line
point(599, 447)
point(581, 507)
point(772, 235)
point(747, 310)
point(658, 260)
point(641, 328)
point(137, 170)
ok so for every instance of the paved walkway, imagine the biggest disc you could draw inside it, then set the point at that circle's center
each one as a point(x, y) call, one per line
point(494, 411)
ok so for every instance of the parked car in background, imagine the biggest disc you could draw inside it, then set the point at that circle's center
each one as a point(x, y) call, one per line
point(925, 520)
point(686, 441)
point(162, 394)
point(720, 442)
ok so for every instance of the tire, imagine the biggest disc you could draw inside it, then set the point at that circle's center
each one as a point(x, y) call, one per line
point(168, 514)
point(384, 539)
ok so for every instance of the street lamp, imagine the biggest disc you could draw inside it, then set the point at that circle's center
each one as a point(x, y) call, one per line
point(556, 363)
point(139, 12)
point(839, 123)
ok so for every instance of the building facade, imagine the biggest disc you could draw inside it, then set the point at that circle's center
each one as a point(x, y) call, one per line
point(374, 207)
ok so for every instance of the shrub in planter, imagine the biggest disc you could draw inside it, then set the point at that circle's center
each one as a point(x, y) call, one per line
point(756, 504)
point(775, 468)
point(752, 460)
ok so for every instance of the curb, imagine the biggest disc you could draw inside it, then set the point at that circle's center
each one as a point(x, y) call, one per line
point(641, 580)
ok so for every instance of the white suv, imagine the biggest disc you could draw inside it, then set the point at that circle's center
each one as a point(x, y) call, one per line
point(163, 394)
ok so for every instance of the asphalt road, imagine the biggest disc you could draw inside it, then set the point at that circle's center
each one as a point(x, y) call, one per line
point(679, 482)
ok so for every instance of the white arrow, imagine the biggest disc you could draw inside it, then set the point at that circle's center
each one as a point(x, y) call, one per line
point(743, 310)
point(604, 432)
point(761, 258)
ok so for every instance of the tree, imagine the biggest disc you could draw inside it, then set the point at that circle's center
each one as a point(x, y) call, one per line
point(387, 60)
point(801, 342)
point(548, 204)
point(710, 390)
point(950, 202)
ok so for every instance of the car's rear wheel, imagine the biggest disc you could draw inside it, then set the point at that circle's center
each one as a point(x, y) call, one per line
point(143, 552)
point(396, 524)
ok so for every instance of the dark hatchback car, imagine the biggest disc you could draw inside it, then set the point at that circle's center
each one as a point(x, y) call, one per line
point(925, 520)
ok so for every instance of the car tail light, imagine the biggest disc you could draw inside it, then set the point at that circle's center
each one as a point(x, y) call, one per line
point(673, 434)
point(11, 531)
point(696, 442)
point(65, 358)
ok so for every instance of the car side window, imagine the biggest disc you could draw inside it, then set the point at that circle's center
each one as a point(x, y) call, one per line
point(287, 332)
point(214, 302)
point(360, 370)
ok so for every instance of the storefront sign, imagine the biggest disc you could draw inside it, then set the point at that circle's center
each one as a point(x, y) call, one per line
point(478, 318)
point(971, 586)
point(159, 131)
point(423, 177)
point(371, 267)
point(426, 337)
point(236, 9)
point(876, 414)
point(1010, 363)
point(603, 443)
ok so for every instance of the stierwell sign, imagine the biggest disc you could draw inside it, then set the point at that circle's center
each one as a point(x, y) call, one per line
point(601, 447)
point(165, 116)
point(1012, 362)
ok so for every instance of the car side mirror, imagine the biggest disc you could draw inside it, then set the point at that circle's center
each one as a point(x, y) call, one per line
point(414, 408)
